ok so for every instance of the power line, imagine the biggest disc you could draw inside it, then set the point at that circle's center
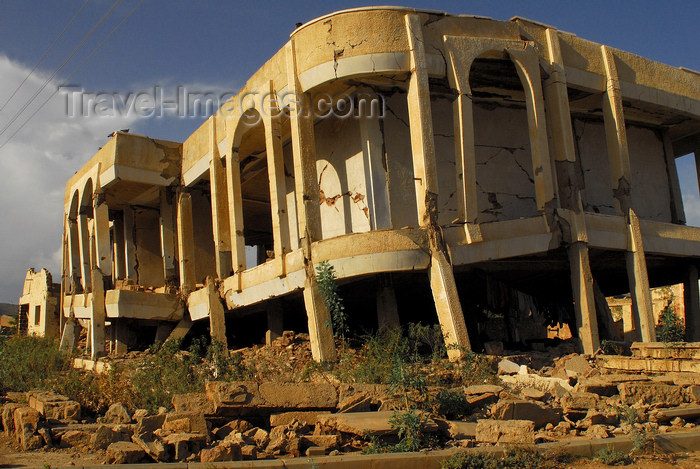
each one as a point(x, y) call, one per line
point(116, 28)
point(45, 54)
point(48, 80)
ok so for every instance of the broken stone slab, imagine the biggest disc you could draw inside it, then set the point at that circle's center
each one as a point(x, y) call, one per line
point(685, 350)
point(303, 417)
point(154, 448)
point(365, 423)
point(459, 430)
point(688, 412)
point(244, 397)
point(572, 366)
point(26, 422)
point(594, 417)
point(249, 452)
point(532, 393)
point(649, 365)
point(580, 401)
point(664, 395)
point(105, 435)
point(518, 409)
point(482, 389)
point(505, 431)
point(357, 403)
point(193, 402)
point(557, 387)
point(186, 422)
point(234, 426)
point(8, 418)
point(507, 367)
point(259, 436)
point(53, 406)
point(76, 439)
point(224, 451)
point(124, 452)
point(327, 442)
point(149, 424)
point(184, 444)
point(116, 414)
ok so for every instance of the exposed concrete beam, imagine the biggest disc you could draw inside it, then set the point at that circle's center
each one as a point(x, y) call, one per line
point(219, 206)
point(185, 243)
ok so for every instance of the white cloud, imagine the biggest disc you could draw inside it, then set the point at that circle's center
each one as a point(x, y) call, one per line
point(691, 204)
point(35, 165)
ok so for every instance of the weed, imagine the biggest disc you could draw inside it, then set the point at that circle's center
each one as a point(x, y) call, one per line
point(426, 338)
point(409, 426)
point(451, 403)
point(671, 328)
point(29, 362)
point(477, 369)
point(518, 458)
point(610, 457)
point(327, 286)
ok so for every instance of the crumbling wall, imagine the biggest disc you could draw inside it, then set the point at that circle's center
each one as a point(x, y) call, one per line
point(592, 153)
point(505, 185)
point(149, 260)
point(205, 263)
point(443, 136)
point(648, 170)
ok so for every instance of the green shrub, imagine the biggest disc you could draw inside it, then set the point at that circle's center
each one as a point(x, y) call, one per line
point(670, 328)
point(610, 457)
point(518, 458)
point(28, 362)
point(325, 276)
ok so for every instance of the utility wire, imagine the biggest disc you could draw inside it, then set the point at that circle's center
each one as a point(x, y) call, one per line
point(116, 28)
point(48, 80)
point(45, 54)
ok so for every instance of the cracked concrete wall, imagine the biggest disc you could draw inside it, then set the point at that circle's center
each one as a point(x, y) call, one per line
point(592, 153)
point(399, 160)
point(149, 261)
point(205, 262)
point(443, 133)
point(505, 186)
point(341, 175)
point(648, 169)
point(291, 197)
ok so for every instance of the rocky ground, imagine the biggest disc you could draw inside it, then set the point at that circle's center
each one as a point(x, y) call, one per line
point(533, 398)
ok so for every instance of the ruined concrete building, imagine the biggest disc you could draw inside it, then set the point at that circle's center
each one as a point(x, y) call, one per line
point(443, 165)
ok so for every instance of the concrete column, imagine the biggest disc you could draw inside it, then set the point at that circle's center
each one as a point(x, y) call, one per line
point(130, 244)
point(275, 173)
point(387, 309)
point(119, 248)
point(70, 336)
point(219, 206)
point(167, 235)
point(442, 281)
point(185, 243)
point(235, 208)
point(84, 241)
point(616, 134)
point(308, 211)
point(275, 320)
point(97, 316)
point(584, 297)
point(691, 298)
point(373, 157)
point(217, 319)
point(639, 282)
point(103, 245)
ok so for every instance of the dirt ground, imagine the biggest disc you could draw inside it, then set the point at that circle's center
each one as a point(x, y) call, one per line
point(12, 457)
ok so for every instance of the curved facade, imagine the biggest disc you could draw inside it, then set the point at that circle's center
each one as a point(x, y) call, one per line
point(389, 141)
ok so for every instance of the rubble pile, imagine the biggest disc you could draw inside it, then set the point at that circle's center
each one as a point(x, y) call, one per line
point(579, 397)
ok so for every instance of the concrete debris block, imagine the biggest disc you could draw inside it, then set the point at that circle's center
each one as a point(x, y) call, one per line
point(53, 406)
point(249, 452)
point(459, 430)
point(186, 422)
point(600, 385)
point(8, 418)
point(482, 389)
point(235, 426)
point(507, 367)
point(365, 423)
point(193, 402)
point(116, 414)
point(153, 447)
point(609, 416)
point(694, 393)
point(517, 409)
point(304, 417)
point(45, 435)
point(182, 445)
point(76, 439)
point(234, 397)
point(505, 431)
point(651, 393)
point(139, 414)
point(579, 401)
point(572, 366)
point(314, 451)
point(322, 441)
point(479, 401)
point(124, 452)
point(259, 436)
point(493, 347)
point(598, 432)
point(689, 412)
point(105, 435)
point(357, 403)
point(557, 387)
point(149, 424)
point(532, 393)
point(26, 422)
point(224, 451)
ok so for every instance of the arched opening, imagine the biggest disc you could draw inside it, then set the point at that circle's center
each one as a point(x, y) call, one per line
point(504, 170)
point(74, 244)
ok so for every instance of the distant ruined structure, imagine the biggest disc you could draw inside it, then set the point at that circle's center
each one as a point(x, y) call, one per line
point(452, 169)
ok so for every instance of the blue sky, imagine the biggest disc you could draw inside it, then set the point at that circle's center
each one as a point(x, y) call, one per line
point(216, 45)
